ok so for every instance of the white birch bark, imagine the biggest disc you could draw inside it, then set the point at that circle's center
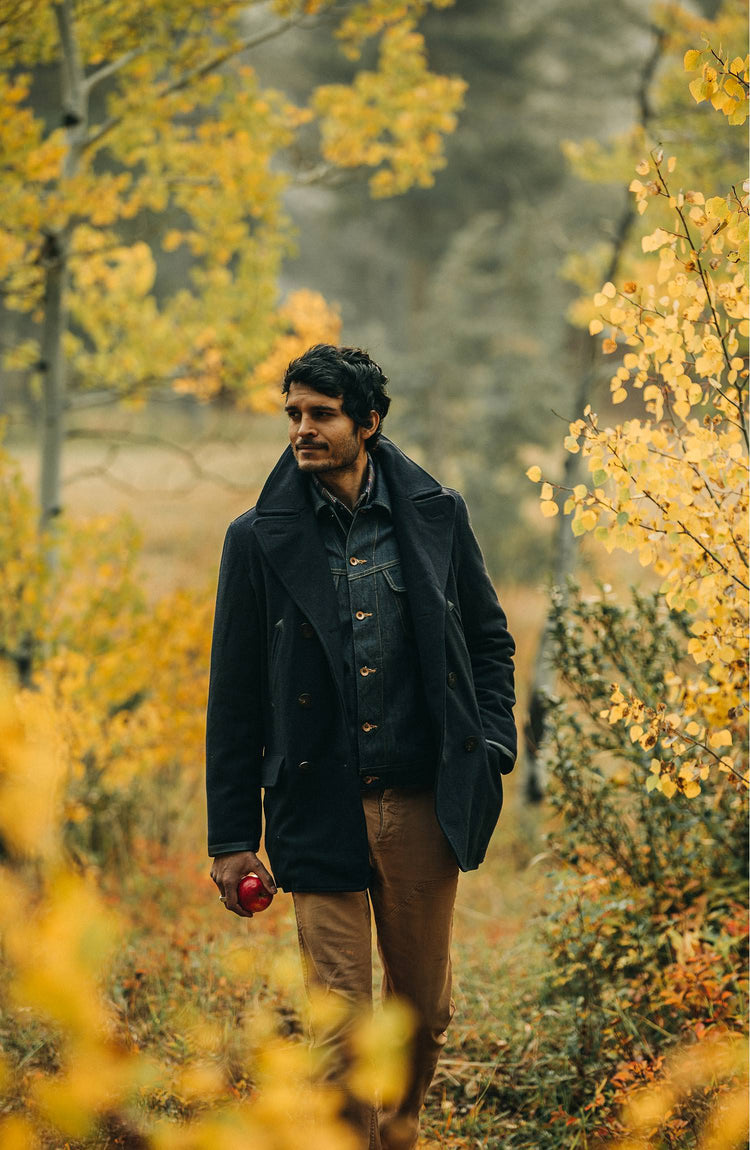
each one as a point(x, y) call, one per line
point(54, 257)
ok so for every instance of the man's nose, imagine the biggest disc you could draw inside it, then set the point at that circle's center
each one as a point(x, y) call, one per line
point(306, 425)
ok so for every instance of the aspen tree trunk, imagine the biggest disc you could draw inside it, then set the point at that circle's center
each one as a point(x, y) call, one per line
point(566, 545)
point(54, 258)
point(53, 374)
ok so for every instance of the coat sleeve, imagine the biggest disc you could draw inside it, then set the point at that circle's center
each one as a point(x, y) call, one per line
point(490, 645)
point(234, 738)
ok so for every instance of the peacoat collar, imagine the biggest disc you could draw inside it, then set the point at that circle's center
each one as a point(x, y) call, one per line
point(423, 515)
point(286, 488)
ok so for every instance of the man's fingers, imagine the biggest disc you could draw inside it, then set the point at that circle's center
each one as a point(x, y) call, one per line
point(265, 877)
point(232, 904)
point(228, 870)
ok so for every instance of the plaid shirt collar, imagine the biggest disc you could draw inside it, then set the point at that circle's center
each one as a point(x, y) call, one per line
point(373, 492)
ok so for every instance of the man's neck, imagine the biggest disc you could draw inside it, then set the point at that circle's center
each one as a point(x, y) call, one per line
point(347, 483)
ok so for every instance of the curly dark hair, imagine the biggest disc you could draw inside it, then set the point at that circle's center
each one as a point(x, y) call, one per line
point(347, 372)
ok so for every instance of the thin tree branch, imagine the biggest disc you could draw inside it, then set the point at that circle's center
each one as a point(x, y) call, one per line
point(220, 58)
point(123, 438)
point(728, 70)
point(210, 65)
point(107, 70)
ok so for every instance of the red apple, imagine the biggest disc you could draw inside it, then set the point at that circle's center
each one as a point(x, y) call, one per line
point(252, 895)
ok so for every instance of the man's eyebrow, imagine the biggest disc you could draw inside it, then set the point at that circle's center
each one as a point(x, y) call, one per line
point(316, 407)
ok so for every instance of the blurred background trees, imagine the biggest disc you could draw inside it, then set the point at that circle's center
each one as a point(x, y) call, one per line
point(183, 180)
point(193, 193)
point(144, 228)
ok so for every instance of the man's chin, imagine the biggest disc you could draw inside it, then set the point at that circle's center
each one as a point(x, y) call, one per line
point(313, 461)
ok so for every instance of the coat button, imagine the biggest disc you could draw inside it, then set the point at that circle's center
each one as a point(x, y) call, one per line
point(353, 561)
point(365, 671)
point(303, 766)
point(304, 699)
point(367, 727)
point(471, 743)
point(308, 631)
point(363, 615)
point(369, 779)
point(452, 679)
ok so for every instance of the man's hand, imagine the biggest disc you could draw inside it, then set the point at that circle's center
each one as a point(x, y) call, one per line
point(227, 870)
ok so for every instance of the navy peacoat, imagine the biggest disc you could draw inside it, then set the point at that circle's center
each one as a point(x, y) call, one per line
point(276, 721)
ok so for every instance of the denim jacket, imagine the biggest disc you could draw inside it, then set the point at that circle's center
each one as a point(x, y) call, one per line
point(388, 718)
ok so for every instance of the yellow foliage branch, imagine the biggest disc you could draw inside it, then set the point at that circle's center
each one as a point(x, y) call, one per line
point(674, 487)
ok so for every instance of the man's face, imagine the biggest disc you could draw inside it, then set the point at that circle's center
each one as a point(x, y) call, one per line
point(322, 435)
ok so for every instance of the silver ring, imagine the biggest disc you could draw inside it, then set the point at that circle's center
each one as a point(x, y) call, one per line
point(222, 898)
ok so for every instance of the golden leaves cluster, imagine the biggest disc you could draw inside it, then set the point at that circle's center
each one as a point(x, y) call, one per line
point(189, 153)
point(392, 119)
point(722, 81)
point(56, 934)
point(673, 487)
point(59, 938)
point(692, 1069)
point(125, 681)
point(305, 319)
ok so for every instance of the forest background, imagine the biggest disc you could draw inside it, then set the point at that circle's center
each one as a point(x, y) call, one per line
point(190, 195)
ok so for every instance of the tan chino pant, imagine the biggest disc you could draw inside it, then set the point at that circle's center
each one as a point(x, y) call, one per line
point(412, 892)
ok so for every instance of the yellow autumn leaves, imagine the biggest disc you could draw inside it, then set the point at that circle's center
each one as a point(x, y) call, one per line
point(174, 163)
point(723, 82)
point(673, 487)
point(59, 939)
point(693, 751)
point(394, 119)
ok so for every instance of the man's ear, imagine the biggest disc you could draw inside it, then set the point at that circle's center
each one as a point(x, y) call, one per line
point(373, 425)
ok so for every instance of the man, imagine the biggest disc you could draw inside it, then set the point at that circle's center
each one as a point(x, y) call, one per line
point(362, 676)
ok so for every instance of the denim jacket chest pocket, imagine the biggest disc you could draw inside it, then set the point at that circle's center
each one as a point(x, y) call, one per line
point(396, 587)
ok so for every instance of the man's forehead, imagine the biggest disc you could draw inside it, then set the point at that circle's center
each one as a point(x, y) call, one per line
point(303, 393)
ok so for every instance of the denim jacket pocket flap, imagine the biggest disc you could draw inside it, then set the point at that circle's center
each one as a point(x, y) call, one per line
point(269, 770)
point(395, 579)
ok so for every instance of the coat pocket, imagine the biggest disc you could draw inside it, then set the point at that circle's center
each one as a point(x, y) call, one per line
point(270, 768)
point(498, 759)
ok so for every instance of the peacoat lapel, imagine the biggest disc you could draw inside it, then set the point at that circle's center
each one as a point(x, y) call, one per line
point(291, 543)
point(423, 517)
